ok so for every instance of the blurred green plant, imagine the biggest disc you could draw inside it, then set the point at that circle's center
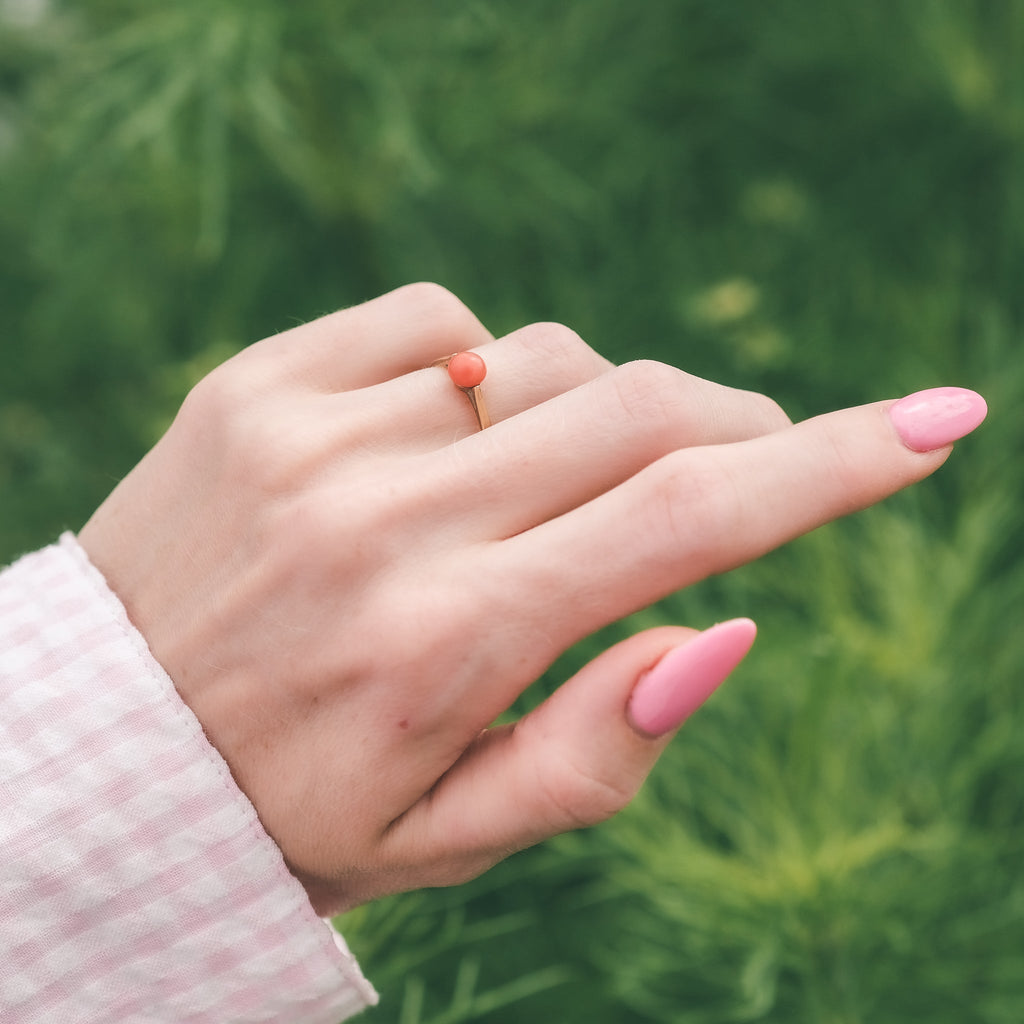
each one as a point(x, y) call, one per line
point(840, 839)
point(821, 201)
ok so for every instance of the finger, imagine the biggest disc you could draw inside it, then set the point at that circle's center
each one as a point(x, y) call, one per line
point(424, 411)
point(361, 346)
point(705, 510)
point(575, 760)
point(566, 451)
point(524, 369)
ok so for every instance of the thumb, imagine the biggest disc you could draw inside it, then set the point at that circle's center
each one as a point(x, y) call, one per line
point(590, 746)
point(579, 757)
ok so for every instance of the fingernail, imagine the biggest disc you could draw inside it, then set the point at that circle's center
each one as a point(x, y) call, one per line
point(669, 693)
point(932, 419)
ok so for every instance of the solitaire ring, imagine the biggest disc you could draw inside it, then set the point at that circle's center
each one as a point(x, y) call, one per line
point(466, 370)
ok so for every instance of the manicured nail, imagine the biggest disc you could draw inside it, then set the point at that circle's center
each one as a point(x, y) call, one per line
point(669, 693)
point(932, 419)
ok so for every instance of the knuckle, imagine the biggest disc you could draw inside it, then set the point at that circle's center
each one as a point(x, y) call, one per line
point(844, 463)
point(553, 341)
point(559, 354)
point(580, 796)
point(227, 415)
point(696, 506)
point(771, 415)
point(649, 391)
point(216, 405)
point(428, 293)
point(660, 397)
point(447, 314)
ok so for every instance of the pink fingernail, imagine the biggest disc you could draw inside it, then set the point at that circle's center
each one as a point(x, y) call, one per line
point(932, 419)
point(669, 693)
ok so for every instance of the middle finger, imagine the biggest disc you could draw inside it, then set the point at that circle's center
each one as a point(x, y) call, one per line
point(563, 452)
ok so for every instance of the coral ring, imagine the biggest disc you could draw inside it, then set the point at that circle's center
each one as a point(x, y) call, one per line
point(467, 371)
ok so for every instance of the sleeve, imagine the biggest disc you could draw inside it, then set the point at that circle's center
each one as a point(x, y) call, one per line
point(136, 882)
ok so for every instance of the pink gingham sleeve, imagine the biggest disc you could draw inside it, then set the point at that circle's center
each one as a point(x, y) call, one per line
point(136, 882)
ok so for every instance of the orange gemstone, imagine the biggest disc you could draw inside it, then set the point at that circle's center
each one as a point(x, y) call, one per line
point(467, 369)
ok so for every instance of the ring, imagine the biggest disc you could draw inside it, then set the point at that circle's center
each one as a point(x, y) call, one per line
point(466, 371)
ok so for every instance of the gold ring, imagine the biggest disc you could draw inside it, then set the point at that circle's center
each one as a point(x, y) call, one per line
point(467, 371)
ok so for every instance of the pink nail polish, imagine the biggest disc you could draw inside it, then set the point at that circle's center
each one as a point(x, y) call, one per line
point(669, 693)
point(932, 419)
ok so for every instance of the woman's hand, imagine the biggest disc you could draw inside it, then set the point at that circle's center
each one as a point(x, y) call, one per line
point(348, 581)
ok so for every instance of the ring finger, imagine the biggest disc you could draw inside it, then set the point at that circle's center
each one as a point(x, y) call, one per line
point(424, 411)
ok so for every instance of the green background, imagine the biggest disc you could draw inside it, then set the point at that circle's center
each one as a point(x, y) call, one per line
point(819, 200)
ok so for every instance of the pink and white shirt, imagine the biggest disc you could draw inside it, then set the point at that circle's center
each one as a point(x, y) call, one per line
point(136, 882)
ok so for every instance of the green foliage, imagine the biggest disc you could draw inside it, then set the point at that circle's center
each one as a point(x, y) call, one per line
point(821, 201)
point(840, 838)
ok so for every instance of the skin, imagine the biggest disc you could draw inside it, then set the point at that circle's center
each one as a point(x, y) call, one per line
point(348, 582)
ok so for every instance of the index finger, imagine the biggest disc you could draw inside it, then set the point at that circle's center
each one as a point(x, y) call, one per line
point(701, 511)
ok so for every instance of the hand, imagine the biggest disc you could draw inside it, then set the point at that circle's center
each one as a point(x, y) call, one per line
point(348, 581)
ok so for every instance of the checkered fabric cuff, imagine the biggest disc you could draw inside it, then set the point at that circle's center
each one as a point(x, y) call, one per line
point(136, 882)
